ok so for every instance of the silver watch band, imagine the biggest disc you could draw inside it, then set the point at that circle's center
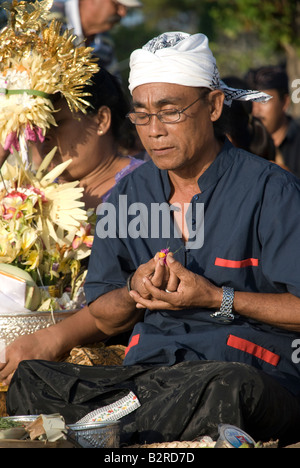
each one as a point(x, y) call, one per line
point(225, 313)
point(128, 282)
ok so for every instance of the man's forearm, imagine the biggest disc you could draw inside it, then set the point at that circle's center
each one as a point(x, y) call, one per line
point(78, 329)
point(280, 310)
point(115, 312)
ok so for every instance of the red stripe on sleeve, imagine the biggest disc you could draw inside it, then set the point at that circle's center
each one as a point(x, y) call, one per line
point(223, 262)
point(254, 349)
point(133, 342)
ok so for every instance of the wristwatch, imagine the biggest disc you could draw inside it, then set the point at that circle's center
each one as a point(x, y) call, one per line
point(225, 313)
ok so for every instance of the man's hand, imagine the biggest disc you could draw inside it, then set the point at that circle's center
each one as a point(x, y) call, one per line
point(183, 289)
point(158, 273)
point(32, 346)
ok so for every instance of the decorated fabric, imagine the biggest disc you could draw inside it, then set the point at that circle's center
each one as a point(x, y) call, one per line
point(184, 59)
point(114, 411)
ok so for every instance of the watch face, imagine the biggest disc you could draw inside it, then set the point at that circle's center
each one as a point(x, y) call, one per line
point(223, 317)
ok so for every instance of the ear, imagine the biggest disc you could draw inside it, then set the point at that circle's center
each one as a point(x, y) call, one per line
point(286, 102)
point(103, 120)
point(216, 100)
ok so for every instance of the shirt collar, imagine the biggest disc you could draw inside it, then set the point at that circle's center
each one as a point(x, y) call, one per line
point(218, 167)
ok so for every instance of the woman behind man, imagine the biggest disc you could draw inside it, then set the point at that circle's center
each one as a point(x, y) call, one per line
point(92, 140)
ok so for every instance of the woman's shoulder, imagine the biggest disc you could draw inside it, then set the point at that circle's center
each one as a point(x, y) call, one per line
point(133, 164)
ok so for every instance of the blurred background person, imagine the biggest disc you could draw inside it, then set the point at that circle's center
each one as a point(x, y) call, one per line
point(285, 131)
point(242, 128)
point(91, 21)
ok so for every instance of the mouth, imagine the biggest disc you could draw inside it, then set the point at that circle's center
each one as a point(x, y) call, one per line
point(164, 151)
point(259, 117)
point(114, 19)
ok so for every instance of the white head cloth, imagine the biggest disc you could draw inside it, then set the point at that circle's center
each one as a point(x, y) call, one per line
point(184, 59)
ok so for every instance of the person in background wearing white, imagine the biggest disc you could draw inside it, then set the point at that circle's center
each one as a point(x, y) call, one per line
point(91, 21)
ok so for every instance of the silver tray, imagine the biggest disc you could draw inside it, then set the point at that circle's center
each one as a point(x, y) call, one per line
point(97, 435)
point(12, 326)
point(104, 434)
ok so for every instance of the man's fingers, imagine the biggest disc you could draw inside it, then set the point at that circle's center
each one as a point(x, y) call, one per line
point(151, 304)
point(166, 296)
point(176, 268)
point(159, 274)
point(7, 380)
point(173, 282)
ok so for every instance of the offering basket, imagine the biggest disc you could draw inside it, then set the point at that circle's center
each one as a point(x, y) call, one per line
point(97, 434)
point(14, 325)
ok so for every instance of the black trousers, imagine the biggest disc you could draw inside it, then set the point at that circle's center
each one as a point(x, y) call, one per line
point(180, 402)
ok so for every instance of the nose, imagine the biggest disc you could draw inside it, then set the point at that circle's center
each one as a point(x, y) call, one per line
point(155, 127)
point(256, 106)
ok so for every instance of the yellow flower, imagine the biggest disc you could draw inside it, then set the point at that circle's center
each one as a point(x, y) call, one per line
point(10, 244)
point(33, 259)
point(29, 237)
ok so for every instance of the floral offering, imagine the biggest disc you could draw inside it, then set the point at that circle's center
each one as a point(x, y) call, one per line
point(36, 62)
point(45, 230)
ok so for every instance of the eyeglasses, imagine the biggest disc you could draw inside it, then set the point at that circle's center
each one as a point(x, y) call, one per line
point(168, 116)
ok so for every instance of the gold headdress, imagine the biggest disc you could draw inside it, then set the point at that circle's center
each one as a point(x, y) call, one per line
point(37, 60)
point(44, 227)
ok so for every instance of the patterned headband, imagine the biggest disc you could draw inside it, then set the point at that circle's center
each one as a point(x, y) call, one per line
point(181, 58)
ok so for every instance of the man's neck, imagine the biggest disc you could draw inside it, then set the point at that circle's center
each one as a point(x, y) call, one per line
point(280, 134)
point(184, 186)
point(184, 182)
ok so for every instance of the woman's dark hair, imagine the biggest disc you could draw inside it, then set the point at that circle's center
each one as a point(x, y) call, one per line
point(106, 90)
point(245, 131)
point(261, 142)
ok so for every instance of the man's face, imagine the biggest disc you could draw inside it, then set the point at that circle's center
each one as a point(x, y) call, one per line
point(177, 145)
point(103, 14)
point(273, 112)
